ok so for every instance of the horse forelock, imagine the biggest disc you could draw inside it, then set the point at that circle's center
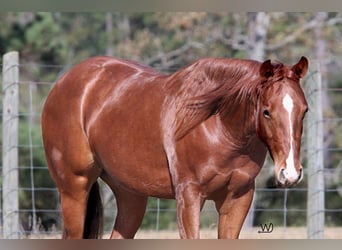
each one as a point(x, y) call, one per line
point(281, 72)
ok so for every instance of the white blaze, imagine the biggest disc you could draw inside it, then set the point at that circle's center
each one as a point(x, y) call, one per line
point(290, 171)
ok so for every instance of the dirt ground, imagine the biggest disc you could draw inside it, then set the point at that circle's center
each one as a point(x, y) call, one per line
point(252, 233)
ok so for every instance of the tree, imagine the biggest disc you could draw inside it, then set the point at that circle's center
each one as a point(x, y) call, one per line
point(257, 35)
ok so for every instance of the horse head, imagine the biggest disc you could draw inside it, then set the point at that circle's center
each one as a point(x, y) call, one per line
point(280, 113)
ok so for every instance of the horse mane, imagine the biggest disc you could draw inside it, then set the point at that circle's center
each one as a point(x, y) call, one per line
point(214, 85)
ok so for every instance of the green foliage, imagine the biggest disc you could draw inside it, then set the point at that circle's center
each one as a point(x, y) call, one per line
point(281, 206)
point(333, 201)
point(162, 216)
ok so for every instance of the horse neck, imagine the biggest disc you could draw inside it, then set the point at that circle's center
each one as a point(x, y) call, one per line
point(214, 86)
point(240, 123)
point(239, 102)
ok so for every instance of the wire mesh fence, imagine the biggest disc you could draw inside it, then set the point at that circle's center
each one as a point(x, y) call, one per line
point(283, 210)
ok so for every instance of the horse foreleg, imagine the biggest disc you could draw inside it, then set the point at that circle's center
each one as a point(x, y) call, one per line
point(131, 210)
point(189, 203)
point(232, 213)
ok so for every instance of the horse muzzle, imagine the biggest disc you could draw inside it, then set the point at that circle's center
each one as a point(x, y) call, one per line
point(286, 178)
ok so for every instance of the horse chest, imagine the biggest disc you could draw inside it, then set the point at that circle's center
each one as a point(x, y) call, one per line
point(235, 175)
point(217, 166)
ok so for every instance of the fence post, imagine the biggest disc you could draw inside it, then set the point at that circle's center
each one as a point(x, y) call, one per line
point(10, 120)
point(314, 144)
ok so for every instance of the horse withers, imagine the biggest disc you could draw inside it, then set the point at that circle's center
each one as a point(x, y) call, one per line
point(198, 134)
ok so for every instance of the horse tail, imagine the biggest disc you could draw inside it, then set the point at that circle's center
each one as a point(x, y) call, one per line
point(93, 225)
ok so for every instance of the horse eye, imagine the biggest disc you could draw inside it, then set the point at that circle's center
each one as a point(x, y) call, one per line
point(267, 114)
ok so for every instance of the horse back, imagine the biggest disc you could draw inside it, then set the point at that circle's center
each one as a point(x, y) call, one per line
point(93, 82)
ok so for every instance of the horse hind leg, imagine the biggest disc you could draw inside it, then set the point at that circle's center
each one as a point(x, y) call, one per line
point(81, 209)
point(74, 207)
point(72, 167)
point(131, 209)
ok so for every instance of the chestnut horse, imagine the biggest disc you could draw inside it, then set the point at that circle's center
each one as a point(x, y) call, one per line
point(198, 134)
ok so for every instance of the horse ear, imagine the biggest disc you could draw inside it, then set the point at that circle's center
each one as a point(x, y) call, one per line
point(266, 69)
point(301, 68)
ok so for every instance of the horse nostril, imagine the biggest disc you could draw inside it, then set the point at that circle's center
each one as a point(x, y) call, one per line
point(301, 175)
point(281, 176)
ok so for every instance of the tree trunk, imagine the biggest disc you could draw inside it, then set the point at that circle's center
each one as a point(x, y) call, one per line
point(109, 32)
point(257, 35)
